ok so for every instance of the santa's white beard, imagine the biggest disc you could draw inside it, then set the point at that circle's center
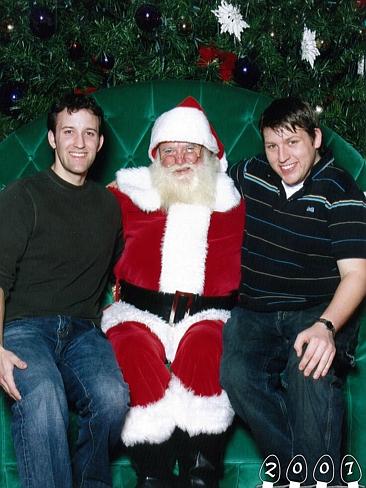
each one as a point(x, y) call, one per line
point(197, 187)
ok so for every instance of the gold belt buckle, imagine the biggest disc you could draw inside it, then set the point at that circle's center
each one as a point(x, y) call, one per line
point(177, 296)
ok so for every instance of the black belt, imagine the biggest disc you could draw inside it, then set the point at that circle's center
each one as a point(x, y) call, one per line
point(173, 307)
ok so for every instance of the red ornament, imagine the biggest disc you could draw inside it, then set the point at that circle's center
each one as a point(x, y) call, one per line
point(85, 91)
point(227, 66)
point(361, 3)
point(226, 60)
point(208, 55)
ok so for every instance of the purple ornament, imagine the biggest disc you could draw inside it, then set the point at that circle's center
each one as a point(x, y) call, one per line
point(42, 22)
point(148, 17)
point(246, 73)
point(105, 61)
point(10, 96)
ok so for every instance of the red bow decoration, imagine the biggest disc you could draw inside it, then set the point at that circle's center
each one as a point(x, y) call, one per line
point(85, 91)
point(226, 60)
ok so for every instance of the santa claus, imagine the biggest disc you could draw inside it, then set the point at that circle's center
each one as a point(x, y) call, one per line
point(178, 276)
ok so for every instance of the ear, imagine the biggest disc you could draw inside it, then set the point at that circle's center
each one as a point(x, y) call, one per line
point(318, 138)
point(101, 141)
point(51, 139)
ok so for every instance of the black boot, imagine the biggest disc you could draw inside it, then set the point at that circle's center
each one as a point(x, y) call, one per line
point(149, 482)
point(154, 464)
point(200, 460)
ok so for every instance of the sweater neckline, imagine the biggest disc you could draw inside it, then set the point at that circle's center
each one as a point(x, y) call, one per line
point(65, 184)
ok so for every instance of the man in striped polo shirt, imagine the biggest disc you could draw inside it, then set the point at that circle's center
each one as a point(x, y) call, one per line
point(289, 344)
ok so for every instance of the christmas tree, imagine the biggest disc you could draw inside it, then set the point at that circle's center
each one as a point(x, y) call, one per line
point(315, 49)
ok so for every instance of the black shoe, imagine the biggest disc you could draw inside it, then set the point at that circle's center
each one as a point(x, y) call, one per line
point(153, 464)
point(150, 482)
point(200, 460)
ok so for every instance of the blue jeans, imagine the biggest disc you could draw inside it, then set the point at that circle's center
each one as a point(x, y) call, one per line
point(70, 363)
point(287, 413)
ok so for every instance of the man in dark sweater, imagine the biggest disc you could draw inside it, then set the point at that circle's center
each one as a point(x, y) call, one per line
point(290, 342)
point(58, 238)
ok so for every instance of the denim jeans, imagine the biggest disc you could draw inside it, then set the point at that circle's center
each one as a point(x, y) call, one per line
point(287, 413)
point(70, 364)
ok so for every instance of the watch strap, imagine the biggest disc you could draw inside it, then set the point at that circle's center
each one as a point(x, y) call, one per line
point(328, 324)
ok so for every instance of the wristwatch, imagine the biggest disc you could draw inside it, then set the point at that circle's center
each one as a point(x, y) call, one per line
point(328, 324)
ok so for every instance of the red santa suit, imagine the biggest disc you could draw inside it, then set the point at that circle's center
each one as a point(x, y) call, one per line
point(170, 360)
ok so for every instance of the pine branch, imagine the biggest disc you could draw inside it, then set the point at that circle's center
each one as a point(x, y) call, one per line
point(44, 68)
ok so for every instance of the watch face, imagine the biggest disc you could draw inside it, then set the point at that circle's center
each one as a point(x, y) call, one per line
point(329, 325)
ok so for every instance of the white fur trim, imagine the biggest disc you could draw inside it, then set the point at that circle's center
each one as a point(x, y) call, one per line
point(184, 248)
point(136, 183)
point(179, 407)
point(120, 312)
point(227, 196)
point(169, 335)
point(223, 163)
point(183, 124)
point(181, 327)
point(153, 423)
point(200, 414)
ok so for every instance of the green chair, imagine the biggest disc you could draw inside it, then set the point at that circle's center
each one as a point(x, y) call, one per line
point(130, 112)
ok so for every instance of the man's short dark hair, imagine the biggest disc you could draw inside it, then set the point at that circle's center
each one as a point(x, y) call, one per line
point(73, 103)
point(289, 113)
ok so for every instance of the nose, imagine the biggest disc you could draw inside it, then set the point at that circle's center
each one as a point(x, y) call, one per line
point(180, 157)
point(79, 141)
point(282, 153)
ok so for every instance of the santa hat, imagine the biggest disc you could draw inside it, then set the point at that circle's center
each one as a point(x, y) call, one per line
point(187, 123)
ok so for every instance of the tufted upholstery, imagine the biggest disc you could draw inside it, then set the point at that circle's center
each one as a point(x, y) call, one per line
point(130, 111)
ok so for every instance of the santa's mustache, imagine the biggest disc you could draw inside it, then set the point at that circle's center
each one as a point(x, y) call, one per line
point(179, 167)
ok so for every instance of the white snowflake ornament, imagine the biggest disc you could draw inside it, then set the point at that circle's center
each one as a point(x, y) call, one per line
point(309, 51)
point(230, 19)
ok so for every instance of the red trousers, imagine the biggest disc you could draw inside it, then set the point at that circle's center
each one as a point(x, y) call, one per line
point(141, 356)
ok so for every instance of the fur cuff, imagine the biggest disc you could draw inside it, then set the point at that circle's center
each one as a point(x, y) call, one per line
point(169, 335)
point(200, 414)
point(153, 423)
point(179, 407)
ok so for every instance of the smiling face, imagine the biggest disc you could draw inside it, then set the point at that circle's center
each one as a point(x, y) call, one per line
point(291, 154)
point(76, 142)
point(185, 173)
point(180, 158)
